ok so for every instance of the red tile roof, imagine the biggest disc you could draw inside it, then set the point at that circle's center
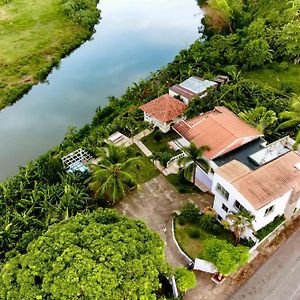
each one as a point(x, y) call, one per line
point(220, 129)
point(269, 182)
point(164, 108)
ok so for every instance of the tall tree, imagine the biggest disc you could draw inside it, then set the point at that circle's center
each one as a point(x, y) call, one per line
point(240, 222)
point(226, 257)
point(111, 178)
point(194, 156)
point(101, 255)
point(292, 118)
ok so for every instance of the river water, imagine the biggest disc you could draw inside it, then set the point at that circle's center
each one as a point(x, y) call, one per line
point(133, 38)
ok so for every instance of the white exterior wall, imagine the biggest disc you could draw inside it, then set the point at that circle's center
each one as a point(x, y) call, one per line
point(298, 203)
point(184, 99)
point(260, 219)
point(164, 127)
point(205, 178)
point(279, 208)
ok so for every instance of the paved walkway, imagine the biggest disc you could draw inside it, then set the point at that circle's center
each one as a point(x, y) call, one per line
point(154, 203)
point(143, 148)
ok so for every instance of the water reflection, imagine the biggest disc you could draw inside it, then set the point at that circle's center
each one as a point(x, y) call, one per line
point(133, 38)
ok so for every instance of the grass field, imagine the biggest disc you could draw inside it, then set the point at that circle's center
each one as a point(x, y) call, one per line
point(35, 35)
point(193, 246)
point(280, 79)
point(147, 171)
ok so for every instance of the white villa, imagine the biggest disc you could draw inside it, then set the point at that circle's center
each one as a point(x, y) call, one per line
point(246, 173)
point(163, 112)
point(192, 87)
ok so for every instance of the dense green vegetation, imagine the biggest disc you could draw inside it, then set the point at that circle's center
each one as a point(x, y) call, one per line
point(91, 256)
point(181, 184)
point(192, 229)
point(226, 257)
point(252, 39)
point(35, 35)
point(263, 232)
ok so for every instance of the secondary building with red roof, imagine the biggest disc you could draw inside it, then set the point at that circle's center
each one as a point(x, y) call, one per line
point(163, 112)
point(192, 87)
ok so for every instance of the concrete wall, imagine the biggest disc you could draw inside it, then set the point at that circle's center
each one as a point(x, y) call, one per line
point(183, 99)
point(205, 178)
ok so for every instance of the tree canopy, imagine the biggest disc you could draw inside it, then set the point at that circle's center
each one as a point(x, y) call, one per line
point(226, 257)
point(101, 255)
point(185, 279)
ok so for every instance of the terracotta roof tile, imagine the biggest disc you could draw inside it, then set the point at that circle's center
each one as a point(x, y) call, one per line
point(220, 129)
point(232, 170)
point(164, 108)
point(269, 182)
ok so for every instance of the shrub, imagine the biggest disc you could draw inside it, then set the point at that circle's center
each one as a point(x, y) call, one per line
point(162, 157)
point(283, 65)
point(181, 220)
point(157, 136)
point(194, 233)
point(263, 232)
point(190, 212)
point(185, 279)
point(247, 242)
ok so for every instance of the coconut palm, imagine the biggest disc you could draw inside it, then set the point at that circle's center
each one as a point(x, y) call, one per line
point(112, 177)
point(259, 117)
point(240, 222)
point(292, 118)
point(194, 157)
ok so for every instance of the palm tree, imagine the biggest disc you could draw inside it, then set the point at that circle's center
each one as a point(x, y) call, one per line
point(240, 222)
point(259, 117)
point(293, 118)
point(112, 177)
point(194, 157)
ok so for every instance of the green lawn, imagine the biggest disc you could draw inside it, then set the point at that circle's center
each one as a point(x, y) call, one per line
point(193, 246)
point(35, 34)
point(182, 185)
point(161, 145)
point(147, 171)
point(278, 78)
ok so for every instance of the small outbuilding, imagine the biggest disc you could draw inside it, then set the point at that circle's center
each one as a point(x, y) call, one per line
point(76, 161)
point(190, 88)
point(163, 112)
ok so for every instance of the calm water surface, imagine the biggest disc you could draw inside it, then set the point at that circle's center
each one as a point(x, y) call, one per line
point(133, 38)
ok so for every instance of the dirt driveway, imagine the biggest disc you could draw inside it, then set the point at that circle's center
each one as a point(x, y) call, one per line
point(154, 203)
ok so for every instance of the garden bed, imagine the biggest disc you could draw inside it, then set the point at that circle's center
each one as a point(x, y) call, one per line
point(193, 246)
point(158, 141)
point(263, 232)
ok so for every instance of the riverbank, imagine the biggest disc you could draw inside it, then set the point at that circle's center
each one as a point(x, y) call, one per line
point(35, 35)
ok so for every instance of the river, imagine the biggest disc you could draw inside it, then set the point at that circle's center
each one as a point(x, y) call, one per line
point(133, 38)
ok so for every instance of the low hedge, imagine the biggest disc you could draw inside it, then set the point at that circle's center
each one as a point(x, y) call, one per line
point(263, 232)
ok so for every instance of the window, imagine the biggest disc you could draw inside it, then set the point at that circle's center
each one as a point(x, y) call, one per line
point(239, 206)
point(269, 210)
point(224, 207)
point(222, 191)
point(219, 217)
